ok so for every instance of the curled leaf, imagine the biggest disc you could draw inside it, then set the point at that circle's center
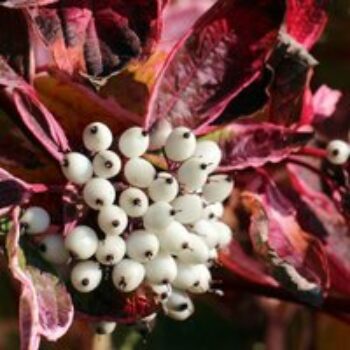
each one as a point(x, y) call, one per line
point(296, 259)
point(97, 38)
point(31, 113)
point(292, 68)
point(220, 56)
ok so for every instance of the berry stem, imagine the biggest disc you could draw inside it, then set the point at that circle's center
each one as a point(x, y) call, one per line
point(313, 152)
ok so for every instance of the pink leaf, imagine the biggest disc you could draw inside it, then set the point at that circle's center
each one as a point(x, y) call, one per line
point(306, 20)
point(221, 55)
point(98, 38)
point(297, 260)
point(26, 3)
point(254, 145)
point(31, 112)
point(45, 306)
point(325, 102)
point(178, 18)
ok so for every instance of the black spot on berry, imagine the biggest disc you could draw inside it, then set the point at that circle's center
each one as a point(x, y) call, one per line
point(136, 202)
point(108, 164)
point(169, 180)
point(94, 130)
point(99, 202)
point(85, 282)
point(115, 223)
point(182, 307)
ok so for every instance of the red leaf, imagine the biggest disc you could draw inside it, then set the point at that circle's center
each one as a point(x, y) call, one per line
point(253, 145)
point(31, 113)
point(100, 37)
point(45, 305)
point(221, 55)
point(245, 266)
point(306, 20)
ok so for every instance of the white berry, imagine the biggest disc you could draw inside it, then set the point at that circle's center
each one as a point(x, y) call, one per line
point(164, 188)
point(112, 220)
point(86, 276)
point(105, 327)
point(162, 291)
point(134, 202)
point(97, 137)
point(133, 142)
point(218, 188)
point(139, 172)
point(159, 134)
point(142, 246)
point(213, 211)
point(208, 232)
point(187, 276)
point(158, 216)
point(82, 242)
point(99, 193)
point(197, 253)
point(338, 152)
point(174, 238)
point(203, 280)
point(224, 234)
point(53, 250)
point(162, 269)
point(179, 306)
point(35, 220)
point(77, 168)
point(188, 208)
point(180, 145)
point(193, 174)
point(111, 250)
point(106, 164)
point(210, 152)
point(128, 275)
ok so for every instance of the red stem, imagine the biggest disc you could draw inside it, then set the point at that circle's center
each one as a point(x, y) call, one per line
point(313, 152)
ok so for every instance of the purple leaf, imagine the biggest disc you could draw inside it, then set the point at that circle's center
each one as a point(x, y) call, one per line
point(253, 145)
point(45, 305)
point(31, 113)
point(220, 56)
point(98, 38)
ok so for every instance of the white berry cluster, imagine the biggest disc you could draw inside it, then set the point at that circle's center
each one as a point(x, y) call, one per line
point(338, 152)
point(159, 228)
